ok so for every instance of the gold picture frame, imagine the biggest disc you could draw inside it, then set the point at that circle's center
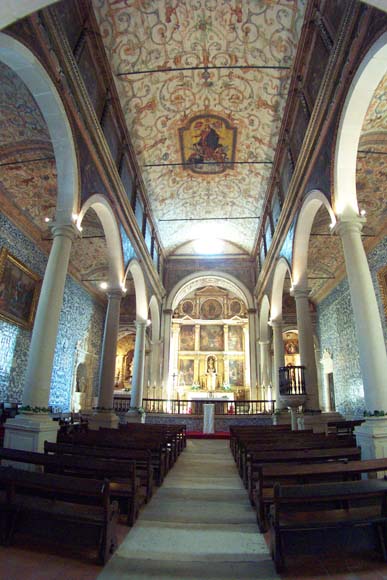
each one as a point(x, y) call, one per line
point(19, 291)
point(382, 278)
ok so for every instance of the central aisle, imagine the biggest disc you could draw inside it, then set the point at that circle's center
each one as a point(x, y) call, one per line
point(198, 526)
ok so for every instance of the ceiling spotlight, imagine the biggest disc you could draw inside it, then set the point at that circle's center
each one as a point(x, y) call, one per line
point(47, 220)
point(363, 212)
point(103, 285)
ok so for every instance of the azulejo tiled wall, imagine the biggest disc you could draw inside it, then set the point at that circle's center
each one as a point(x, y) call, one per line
point(338, 335)
point(81, 321)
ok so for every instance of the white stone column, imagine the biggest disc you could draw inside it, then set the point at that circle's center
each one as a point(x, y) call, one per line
point(44, 334)
point(155, 363)
point(138, 365)
point(167, 321)
point(279, 358)
point(247, 357)
point(109, 350)
point(105, 415)
point(253, 353)
point(174, 360)
point(264, 346)
point(372, 351)
point(306, 344)
point(30, 431)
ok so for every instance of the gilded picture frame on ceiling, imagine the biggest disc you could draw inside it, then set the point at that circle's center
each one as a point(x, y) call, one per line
point(19, 291)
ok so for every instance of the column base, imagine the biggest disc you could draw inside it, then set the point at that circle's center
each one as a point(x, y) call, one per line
point(29, 431)
point(97, 419)
point(134, 416)
point(371, 436)
point(317, 422)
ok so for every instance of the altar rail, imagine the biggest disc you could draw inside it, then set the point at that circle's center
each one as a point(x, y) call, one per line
point(195, 406)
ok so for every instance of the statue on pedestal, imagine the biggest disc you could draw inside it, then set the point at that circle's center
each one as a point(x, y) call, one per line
point(211, 374)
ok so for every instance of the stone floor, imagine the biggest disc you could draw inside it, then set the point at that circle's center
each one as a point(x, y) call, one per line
point(198, 526)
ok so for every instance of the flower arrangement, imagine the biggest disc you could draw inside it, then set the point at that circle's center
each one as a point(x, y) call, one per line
point(29, 409)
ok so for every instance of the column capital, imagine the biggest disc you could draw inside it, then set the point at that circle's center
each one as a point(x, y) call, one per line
point(264, 342)
point(297, 292)
point(168, 311)
point(140, 324)
point(278, 322)
point(353, 224)
point(115, 294)
point(69, 231)
point(251, 311)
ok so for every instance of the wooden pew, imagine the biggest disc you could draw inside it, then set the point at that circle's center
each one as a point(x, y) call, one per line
point(241, 432)
point(142, 459)
point(296, 456)
point(287, 473)
point(124, 486)
point(314, 507)
point(312, 441)
point(343, 428)
point(113, 440)
point(73, 501)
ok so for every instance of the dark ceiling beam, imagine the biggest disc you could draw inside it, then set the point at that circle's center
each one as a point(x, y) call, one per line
point(203, 68)
point(208, 163)
point(255, 217)
point(51, 158)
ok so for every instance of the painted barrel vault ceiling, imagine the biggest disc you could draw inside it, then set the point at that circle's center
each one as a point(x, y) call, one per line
point(187, 68)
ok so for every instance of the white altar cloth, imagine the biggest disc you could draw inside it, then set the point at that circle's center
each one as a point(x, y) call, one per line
point(209, 418)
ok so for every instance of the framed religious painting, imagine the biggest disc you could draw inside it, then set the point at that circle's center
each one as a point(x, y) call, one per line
point(382, 278)
point(19, 290)
point(187, 337)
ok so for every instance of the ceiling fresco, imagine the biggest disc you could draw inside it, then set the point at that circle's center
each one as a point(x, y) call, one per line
point(203, 84)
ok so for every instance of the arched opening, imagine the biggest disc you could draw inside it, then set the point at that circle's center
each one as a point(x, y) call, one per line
point(209, 353)
point(366, 80)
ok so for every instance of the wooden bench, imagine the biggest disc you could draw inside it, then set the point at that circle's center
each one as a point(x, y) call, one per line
point(315, 507)
point(142, 459)
point(319, 441)
point(124, 486)
point(80, 503)
point(118, 440)
point(296, 456)
point(285, 473)
point(343, 428)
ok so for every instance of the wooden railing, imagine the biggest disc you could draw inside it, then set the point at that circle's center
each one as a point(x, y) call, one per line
point(195, 407)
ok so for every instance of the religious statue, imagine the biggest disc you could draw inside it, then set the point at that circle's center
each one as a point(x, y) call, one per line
point(211, 374)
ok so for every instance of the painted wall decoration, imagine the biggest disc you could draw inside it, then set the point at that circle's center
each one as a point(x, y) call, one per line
point(19, 290)
point(187, 337)
point(207, 144)
point(179, 48)
point(81, 319)
point(211, 337)
point(236, 372)
point(235, 338)
point(211, 309)
point(186, 370)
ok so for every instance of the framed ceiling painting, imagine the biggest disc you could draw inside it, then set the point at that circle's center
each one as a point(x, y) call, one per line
point(19, 291)
point(382, 278)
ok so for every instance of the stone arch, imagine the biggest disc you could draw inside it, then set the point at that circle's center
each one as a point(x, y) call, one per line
point(155, 317)
point(105, 212)
point(312, 203)
point(140, 289)
point(26, 65)
point(13, 11)
point(281, 269)
point(368, 75)
point(194, 281)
